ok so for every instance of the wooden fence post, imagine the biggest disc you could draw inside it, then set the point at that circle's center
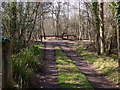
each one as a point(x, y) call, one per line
point(6, 64)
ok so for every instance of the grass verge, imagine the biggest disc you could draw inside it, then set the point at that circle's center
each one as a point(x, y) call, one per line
point(68, 74)
point(107, 65)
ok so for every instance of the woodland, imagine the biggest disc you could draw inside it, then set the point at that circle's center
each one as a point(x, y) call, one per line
point(91, 28)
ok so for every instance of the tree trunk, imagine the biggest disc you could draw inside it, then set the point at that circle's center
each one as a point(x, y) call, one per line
point(58, 19)
point(13, 26)
point(79, 31)
point(97, 22)
point(67, 20)
point(43, 27)
point(34, 22)
point(118, 39)
point(101, 16)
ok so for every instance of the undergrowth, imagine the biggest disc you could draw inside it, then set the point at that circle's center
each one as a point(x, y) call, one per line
point(25, 64)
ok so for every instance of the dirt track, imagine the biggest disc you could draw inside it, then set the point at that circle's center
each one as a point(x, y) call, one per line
point(51, 74)
point(49, 77)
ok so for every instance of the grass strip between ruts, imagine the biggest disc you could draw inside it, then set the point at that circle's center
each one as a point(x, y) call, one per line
point(68, 74)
